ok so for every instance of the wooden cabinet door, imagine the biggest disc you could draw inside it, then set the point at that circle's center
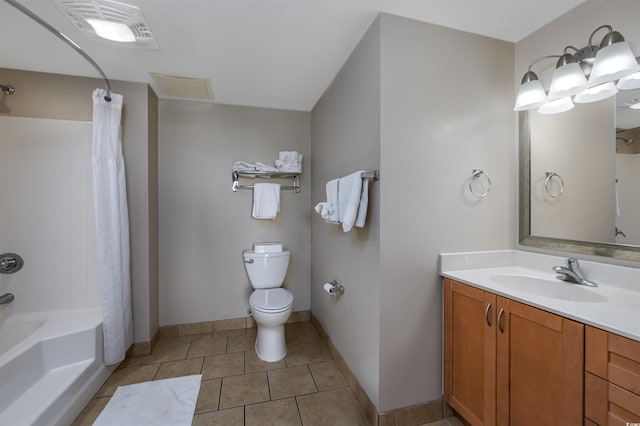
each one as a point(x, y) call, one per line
point(469, 352)
point(540, 373)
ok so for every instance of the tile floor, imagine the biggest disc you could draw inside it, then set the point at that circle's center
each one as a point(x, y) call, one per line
point(237, 388)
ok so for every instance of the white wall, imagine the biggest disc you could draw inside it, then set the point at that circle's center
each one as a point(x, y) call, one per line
point(47, 214)
point(345, 132)
point(446, 105)
point(204, 226)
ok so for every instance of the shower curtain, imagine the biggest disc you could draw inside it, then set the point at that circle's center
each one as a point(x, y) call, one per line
point(112, 226)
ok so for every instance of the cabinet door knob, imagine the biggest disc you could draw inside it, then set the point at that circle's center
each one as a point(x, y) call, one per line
point(500, 327)
point(486, 314)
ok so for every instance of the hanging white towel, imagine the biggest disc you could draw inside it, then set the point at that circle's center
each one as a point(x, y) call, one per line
point(331, 190)
point(266, 200)
point(349, 193)
point(364, 204)
point(112, 226)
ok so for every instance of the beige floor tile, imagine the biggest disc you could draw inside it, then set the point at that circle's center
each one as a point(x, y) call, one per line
point(208, 345)
point(290, 335)
point(253, 364)
point(232, 332)
point(232, 417)
point(283, 412)
point(91, 412)
point(436, 423)
point(420, 414)
point(245, 389)
point(195, 328)
point(179, 368)
point(223, 365)
point(306, 353)
point(242, 342)
point(327, 375)
point(230, 324)
point(306, 332)
point(209, 396)
point(293, 381)
point(134, 361)
point(128, 376)
point(333, 407)
point(168, 350)
point(453, 421)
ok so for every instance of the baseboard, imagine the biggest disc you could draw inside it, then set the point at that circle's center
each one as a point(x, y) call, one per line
point(406, 416)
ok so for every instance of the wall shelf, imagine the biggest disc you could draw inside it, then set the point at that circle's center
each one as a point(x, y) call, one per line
point(237, 175)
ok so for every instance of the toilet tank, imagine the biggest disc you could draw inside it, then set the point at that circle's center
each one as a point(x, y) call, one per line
point(266, 265)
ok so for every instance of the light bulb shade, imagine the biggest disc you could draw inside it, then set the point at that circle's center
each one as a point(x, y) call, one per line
point(629, 82)
point(596, 93)
point(567, 80)
point(557, 106)
point(613, 62)
point(530, 95)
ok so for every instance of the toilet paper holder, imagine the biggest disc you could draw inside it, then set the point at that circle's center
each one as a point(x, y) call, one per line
point(333, 288)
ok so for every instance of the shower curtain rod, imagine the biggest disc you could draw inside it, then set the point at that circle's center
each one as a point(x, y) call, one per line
point(66, 39)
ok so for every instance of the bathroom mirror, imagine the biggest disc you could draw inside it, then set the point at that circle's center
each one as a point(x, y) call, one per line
point(580, 179)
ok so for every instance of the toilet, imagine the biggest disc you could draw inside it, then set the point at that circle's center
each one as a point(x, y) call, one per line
point(270, 305)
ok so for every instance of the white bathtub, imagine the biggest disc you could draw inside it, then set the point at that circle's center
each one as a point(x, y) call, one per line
point(50, 366)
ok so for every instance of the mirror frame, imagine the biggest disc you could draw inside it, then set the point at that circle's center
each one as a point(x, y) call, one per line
point(617, 251)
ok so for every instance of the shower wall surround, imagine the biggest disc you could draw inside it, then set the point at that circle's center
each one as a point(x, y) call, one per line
point(61, 97)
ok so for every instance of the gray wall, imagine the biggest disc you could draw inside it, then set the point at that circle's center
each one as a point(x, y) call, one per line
point(55, 96)
point(345, 132)
point(446, 109)
point(204, 226)
point(431, 104)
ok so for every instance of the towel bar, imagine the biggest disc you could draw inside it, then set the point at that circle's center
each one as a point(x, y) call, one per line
point(236, 175)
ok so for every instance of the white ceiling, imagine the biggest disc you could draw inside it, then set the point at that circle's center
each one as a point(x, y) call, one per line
point(264, 53)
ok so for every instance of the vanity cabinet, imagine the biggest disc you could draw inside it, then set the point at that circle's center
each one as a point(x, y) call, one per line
point(612, 379)
point(507, 363)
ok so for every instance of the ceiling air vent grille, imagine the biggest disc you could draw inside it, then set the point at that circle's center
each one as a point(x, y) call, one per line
point(78, 11)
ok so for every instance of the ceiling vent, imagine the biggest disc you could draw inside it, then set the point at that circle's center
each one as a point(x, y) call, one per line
point(173, 86)
point(81, 12)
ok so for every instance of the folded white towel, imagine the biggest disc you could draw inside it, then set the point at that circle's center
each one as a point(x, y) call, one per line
point(243, 166)
point(349, 193)
point(323, 209)
point(364, 204)
point(289, 161)
point(331, 189)
point(266, 200)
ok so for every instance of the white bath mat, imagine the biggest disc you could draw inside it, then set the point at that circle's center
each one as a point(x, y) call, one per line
point(169, 402)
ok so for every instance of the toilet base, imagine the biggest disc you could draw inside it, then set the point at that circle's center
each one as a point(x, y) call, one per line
point(270, 343)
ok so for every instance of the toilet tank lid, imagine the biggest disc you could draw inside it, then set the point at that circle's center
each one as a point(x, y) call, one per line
point(267, 247)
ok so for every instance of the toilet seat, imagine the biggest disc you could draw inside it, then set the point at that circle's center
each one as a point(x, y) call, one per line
point(271, 300)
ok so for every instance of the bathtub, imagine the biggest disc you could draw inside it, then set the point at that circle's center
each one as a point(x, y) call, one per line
point(50, 366)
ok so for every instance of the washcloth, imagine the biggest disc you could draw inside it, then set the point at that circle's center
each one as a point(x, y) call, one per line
point(349, 193)
point(266, 200)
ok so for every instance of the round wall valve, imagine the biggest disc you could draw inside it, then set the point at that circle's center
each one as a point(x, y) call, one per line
point(10, 263)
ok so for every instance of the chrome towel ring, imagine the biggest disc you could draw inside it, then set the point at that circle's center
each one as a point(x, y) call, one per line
point(549, 177)
point(475, 174)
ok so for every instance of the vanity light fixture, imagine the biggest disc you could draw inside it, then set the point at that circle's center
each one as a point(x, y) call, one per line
point(587, 74)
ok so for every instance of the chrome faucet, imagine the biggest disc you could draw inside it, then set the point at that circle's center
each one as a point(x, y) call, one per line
point(571, 273)
point(6, 298)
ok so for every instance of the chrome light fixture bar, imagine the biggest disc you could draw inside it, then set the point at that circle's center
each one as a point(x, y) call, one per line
point(587, 75)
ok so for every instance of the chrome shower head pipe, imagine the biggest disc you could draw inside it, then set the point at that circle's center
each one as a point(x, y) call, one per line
point(66, 39)
point(7, 89)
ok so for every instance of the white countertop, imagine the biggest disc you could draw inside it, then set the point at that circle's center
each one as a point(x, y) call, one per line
point(613, 306)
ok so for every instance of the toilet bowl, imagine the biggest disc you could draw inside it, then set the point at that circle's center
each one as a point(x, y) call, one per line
point(270, 305)
point(270, 309)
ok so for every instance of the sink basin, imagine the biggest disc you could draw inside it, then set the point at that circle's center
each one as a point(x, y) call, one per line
point(550, 288)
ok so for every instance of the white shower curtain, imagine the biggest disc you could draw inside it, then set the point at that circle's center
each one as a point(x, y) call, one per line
point(112, 226)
